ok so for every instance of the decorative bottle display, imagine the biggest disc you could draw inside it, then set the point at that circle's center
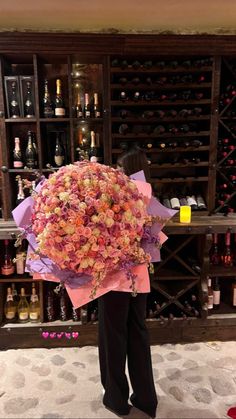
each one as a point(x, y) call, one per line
point(59, 154)
point(20, 192)
point(96, 108)
point(17, 155)
point(87, 108)
point(48, 111)
point(14, 105)
point(227, 255)
point(10, 306)
point(29, 103)
point(78, 108)
point(210, 294)
point(23, 307)
point(214, 251)
point(216, 293)
point(34, 307)
point(59, 104)
point(30, 154)
point(8, 267)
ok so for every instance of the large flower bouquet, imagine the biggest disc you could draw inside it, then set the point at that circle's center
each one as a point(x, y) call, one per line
point(87, 221)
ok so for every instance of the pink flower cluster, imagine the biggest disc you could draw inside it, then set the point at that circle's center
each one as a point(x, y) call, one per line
point(89, 218)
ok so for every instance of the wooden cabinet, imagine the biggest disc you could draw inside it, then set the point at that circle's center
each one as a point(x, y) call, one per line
point(172, 95)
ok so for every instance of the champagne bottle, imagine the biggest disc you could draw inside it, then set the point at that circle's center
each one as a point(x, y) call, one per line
point(48, 111)
point(87, 108)
point(59, 154)
point(210, 294)
point(14, 294)
point(10, 306)
point(216, 294)
point(78, 108)
point(17, 156)
point(14, 104)
point(23, 307)
point(34, 144)
point(30, 155)
point(96, 109)
point(93, 148)
point(34, 307)
point(8, 267)
point(59, 104)
point(29, 104)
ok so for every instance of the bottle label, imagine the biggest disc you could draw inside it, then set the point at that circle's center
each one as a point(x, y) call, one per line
point(17, 164)
point(216, 297)
point(7, 270)
point(24, 315)
point(60, 111)
point(97, 114)
point(10, 315)
point(34, 298)
point(175, 203)
point(79, 114)
point(9, 297)
point(87, 114)
point(59, 160)
point(191, 200)
point(34, 315)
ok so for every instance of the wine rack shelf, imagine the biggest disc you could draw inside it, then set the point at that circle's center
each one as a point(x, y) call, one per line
point(177, 87)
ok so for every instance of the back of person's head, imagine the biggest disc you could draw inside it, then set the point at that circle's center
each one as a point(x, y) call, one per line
point(133, 161)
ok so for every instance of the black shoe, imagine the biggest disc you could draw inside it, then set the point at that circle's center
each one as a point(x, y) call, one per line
point(120, 413)
point(149, 413)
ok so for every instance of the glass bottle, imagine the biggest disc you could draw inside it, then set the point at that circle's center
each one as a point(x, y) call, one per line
point(48, 111)
point(17, 155)
point(20, 260)
point(227, 254)
point(29, 103)
point(96, 108)
point(23, 307)
point(30, 155)
point(20, 192)
point(10, 306)
point(8, 267)
point(59, 154)
point(59, 103)
point(87, 108)
point(234, 293)
point(34, 308)
point(14, 105)
point(63, 305)
point(93, 148)
point(78, 108)
point(210, 295)
point(84, 314)
point(216, 293)
point(214, 251)
point(50, 306)
point(75, 314)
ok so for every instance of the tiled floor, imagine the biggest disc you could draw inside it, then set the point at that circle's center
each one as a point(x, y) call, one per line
point(192, 381)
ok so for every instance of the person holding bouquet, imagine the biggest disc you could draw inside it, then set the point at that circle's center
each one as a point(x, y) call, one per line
point(123, 334)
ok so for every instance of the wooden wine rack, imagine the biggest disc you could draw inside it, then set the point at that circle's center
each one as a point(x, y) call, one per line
point(54, 55)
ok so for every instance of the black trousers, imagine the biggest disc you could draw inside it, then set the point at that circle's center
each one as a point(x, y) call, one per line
point(123, 333)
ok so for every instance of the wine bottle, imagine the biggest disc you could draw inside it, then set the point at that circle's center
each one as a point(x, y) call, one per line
point(166, 201)
point(136, 96)
point(159, 129)
point(84, 314)
point(135, 80)
point(15, 296)
point(23, 307)
point(50, 306)
point(78, 107)
point(59, 154)
point(161, 64)
point(48, 111)
point(30, 156)
point(96, 108)
point(63, 305)
point(34, 144)
point(200, 203)
point(227, 254)
point(115, 63)
point(160, 114)
point(197, 111)
point(216, 293)
point(17, 156)
point(136, 64)
point(172, 113)
point(148, 114)
point(14, 104)
point(173, 64)
point(75, 314)
point(161, 80)
point(10, 306)
point(59, 104)
point(210, 295)
point(123, 129)
point(8, 267)
point(186, 64)
point(234, 292)
point(148, 80)
point(186, 95)
point(28, 103)
point(196, 143)
point(214, 251)
point(20, 259)
point(87, 107)
point(147, 64)
point(174, 202)
point(124, 64)
point(123, 80)
point(34, 307)
point(184, 113)
point(93, 148)
point(191, 200)
point(123, 96)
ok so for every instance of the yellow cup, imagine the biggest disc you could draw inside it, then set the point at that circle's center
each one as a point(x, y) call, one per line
point(185, 214)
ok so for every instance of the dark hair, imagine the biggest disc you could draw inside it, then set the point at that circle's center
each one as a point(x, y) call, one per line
point(133, 161)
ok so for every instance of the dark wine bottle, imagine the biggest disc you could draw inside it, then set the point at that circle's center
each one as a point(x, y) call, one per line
point(14, 104)
point(135, 80)
point(124, 64)
point(48, 111)
point(148, 114)
point(29, 102)
point(148, 64)
point(159, 129)
point(160, 114)
point(136, 64)
point(123, 129)
point(63, 304)
point(123, 80)
point(50, 306)
point(59, 103)
point(30, 155)
point(59, 154)
point(216, 293)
